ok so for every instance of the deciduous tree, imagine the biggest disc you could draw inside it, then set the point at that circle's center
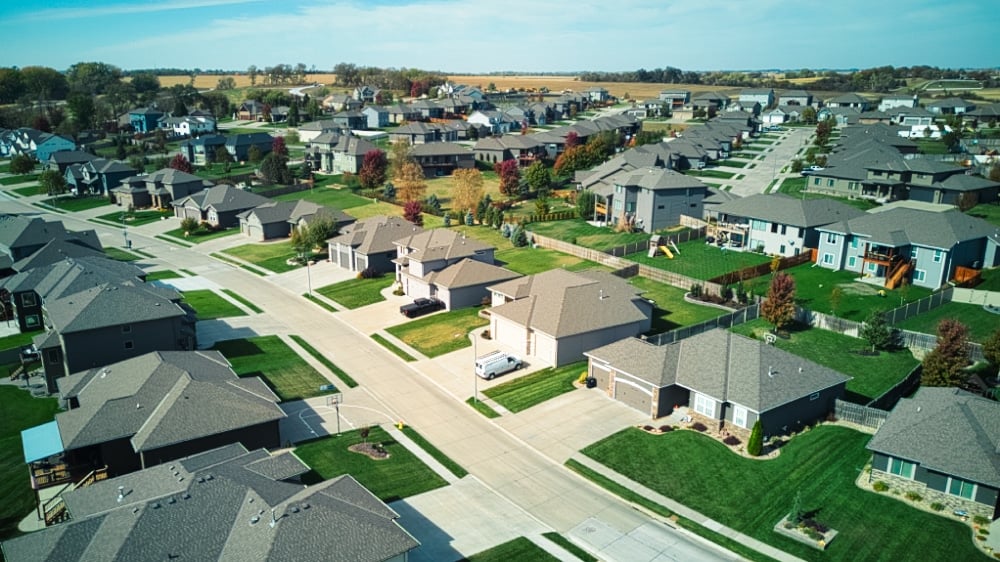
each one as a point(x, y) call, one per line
point(779, 308)
point(410, 184)
point(585, 201)
point(510, 176)
point(538, 178)
point(468, 190)
point(876, 331)
point(278, 147)
point(373, 168)
point(254, 154)
point(943, 365)
point(52, 182)
point(21, 164)
point(274, 170)
point(180, 163)
point(991, 350)
point(413, 212)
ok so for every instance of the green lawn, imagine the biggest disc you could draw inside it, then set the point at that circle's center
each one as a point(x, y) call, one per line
point(989, 212)
point(520, 548)
point(927, 146)
point(530, 390)
point(20, 411)
point(18, 340)
point(272, 256)
point(482, 407)
point(319, 302)
point(18, 179)
point(529, 261)
point(210, 305)
point(395, 349)
point(795, 187)
point(752, 495)
point(579, 232)
point(355, 293)
point(434, 452)
point(217, 172)
point(338, 198)
point(119, 254)
point(400, 476)
point(720, 174)
point(138, 218)
point(161, 275)
point(981, 323)
point(282, 369)
point(201, 235)
point(700, 260)
point(28, 191)
point(991, 280)
point(872, 375)
point(569, 546)
point(75, 204)
point(440, 333)
point(814, 285)
point(240, 299)
point(672, 311)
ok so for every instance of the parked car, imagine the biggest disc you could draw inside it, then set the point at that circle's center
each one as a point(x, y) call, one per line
point(496, 363)
point(812, 170)
point(420, 306)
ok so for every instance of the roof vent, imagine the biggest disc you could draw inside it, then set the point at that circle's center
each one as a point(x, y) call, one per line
point(295, 509)
point(800, 369)
point(172, 500)
point(156, 505)
point(254, 519)
point(305, 506)
point(186, 496)
point(121, 493)
point(208, 477)
point(770, 371)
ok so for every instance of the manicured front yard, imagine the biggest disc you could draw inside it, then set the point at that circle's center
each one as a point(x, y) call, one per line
point(210, 305)
point(400, 476)
point(814, 285)
point(520, 548)
point(20, 411)
point(18, 340)
point(529, 390)
point(981, 323)
point(272, 256)
point(119, 254)
point(282, 369)
point(700, 260)
point(75, 204)
point(355, 293)
point(872, 375)
point(752, 495)
point(137, 218)
point(201, 235)
point(795, 187)
point(672, 311)
point(440, 333)
point(11, 180)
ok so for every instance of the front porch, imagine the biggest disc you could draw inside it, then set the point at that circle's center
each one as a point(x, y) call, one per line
point(886, 266)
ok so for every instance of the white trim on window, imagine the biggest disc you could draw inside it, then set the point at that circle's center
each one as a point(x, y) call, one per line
point(704, 405)
point(900, 467)
point(740, 416)
point(962, 487)
point(827, 259)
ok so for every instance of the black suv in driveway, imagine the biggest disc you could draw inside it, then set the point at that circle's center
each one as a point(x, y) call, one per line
point(420, 306)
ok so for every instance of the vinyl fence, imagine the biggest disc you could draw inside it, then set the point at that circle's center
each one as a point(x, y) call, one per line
point(861, 415)
point(921, 306)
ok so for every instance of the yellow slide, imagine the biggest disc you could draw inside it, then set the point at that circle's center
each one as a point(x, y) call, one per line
point(666, 251)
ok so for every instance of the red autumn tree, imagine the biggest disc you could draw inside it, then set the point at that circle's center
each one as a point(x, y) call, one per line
point(279, 148)
point(572, 139)
point(943, 365)
point(373, 168)
point(510, 176)
point(413, 212)
point(181, 164)
point(779, 308)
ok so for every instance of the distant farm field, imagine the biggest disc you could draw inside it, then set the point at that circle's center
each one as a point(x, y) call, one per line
point(205, 81)
point(637, 90)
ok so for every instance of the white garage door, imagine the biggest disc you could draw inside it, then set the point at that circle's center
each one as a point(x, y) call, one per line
point(545, 348)
point(508, 334)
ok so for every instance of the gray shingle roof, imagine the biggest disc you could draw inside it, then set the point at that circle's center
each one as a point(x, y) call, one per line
point(223, 198)
point(439, 149)
point(656, 179)
point(215, 506)
point(72, 275)
point(112, 304)
point(792, 211)
point(440, 243)
point(725, 366)
point(903, 226)
point(946, 430)
point(375, 235)
point(162, 398)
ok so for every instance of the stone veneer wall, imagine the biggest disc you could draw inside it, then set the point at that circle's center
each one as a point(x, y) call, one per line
point(951, 503)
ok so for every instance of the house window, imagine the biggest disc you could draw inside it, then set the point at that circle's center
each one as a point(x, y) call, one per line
point(28, 299)
point(829, 183)
point(938, 254)
point(919, 275)
point(814, 396)
point(913, 252)
point(740, 416)
point(129, 344)
point(827, 259)
point(31, 320)
point(816, 181)
point(660, 207)
point(774, 227)
point(781, 249)
point(53, 356)
point(899, 467)
point(961, 488)
point(704, 405)
point(852, 261)
point(854, 243)
point(831, 238)
point(784, 229)
point(758, 225)
point(127, 329)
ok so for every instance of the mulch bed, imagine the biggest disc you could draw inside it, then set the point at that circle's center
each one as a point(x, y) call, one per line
point(373, 451)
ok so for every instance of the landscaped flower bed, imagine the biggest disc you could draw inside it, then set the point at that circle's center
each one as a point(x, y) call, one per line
point(806, 531)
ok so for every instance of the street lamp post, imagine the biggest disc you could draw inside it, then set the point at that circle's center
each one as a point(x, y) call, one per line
point(475, 354)
point(124, 232)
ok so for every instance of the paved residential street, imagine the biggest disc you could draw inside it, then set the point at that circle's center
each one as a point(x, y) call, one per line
point(516, 459)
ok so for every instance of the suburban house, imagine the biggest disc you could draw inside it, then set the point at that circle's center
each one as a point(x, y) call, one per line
point(350, 119)
point(597, 94)
point(148, 410)
point(340, 102)
point(651, 198)
point(335, 153)
point(276, 219)
point(158, 189)
point(941, 443)
point(781, 114)
point(309, 131)
point(558, 315)
point(42, 278)
point(401, 113)
point(728, 379)
point(799, 98)
point(370, 243)
point(442, 158)
point(66, 158)
point(111, 322)
point(144, 119)
point(97, 177)
point(251, 110)
point(218, 205)
point(20, 237)
point(429, 109)
point(419, 133)
point(188, 125)
point(675, 98)
point(376, 117)
point(763, 96)
point(841, 115)
point(367, 94)
point(950, 106)
point(202, 150)
point(498, 122)
point(222, 504)
point(239, 145)
point(777, 224)
point(711, 102)
point(927, 248)
point(850, 100)
point(893, 101)
point(526, 149)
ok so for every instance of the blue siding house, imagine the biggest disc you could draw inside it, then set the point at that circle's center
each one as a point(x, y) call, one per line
point(144, 119)
point(47, 144)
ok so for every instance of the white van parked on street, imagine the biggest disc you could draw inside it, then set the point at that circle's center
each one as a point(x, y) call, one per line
point(496, 363)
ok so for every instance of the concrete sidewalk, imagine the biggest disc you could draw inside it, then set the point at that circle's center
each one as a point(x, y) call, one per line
point(685, 511)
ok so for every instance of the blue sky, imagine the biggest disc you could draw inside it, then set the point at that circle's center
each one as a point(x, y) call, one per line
point(472, 36)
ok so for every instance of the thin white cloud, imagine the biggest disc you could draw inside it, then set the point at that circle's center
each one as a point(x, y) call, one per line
point(123, 9)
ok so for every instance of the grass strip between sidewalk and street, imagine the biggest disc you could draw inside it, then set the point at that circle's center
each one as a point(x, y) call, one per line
point(393, 348)
point(568, 546)
point(173, 240)
point(343, 376)
point(520, 548)
point(320, 302)
point(230, 261)
point(482, 407)
point(236, 297)
point(434, 452)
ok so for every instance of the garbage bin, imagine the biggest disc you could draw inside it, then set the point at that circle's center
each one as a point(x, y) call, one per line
point(591, 382)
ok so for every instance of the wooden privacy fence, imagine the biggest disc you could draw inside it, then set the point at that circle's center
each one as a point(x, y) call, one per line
point(761, 269)
point(864, 416)
point(678, 237)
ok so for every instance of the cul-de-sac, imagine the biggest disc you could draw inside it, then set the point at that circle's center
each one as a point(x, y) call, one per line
point(461, 285)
